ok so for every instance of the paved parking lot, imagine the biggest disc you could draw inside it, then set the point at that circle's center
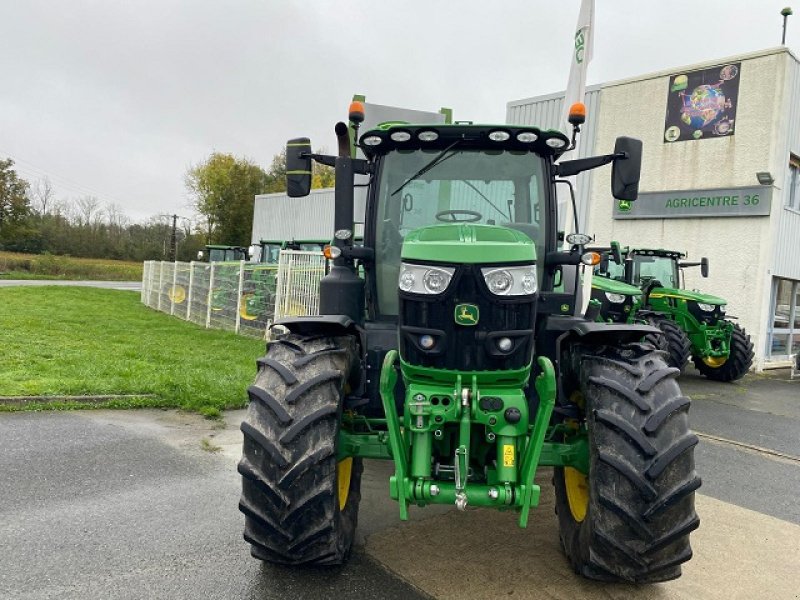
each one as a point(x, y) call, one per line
point(128, 504)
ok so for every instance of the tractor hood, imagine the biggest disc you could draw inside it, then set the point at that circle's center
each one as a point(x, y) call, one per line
point(615, 287)
point(686, 295)
point(466, 243)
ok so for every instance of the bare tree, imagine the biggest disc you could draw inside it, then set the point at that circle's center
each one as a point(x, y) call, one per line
point(115, 216)
point(88, 209)
point(42, 195)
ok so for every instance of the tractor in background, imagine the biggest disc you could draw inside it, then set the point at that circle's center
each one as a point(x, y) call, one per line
point(694, 325)
point(457, 357)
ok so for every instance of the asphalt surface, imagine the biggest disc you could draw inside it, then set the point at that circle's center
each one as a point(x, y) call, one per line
point(127, 504)
point(761, 414)
point(134, 286)
point(116, 505)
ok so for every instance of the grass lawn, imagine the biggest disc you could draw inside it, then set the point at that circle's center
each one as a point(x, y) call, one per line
point(63, 341)
point(14, 265)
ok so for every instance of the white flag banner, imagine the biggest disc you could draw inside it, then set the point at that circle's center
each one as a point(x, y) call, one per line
point(581, 56)
point(576, 91)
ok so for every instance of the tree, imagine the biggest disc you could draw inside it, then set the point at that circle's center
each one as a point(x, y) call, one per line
point(14, 202)
point(41, 195)
point(322, 176)
point(224, 189)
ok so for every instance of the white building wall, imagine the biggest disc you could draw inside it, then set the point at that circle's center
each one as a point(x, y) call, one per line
point(278, 217)
point(786, 222)
point(740, 250)
point(545, 112)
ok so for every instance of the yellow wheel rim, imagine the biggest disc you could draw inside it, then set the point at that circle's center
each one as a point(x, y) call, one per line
point(577, 493)
point(243, 308)
point(715, 361)
point(343, 470)
point(176, 293)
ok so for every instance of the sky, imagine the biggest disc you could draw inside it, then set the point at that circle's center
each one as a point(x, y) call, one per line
point(118, 99)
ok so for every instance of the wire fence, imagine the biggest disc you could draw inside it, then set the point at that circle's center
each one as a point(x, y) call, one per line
point(236, 296)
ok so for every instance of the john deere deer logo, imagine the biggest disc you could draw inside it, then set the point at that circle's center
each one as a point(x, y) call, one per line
point(466, 314)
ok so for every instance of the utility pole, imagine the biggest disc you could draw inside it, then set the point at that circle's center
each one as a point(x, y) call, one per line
point(785, 12)
point(173, 240)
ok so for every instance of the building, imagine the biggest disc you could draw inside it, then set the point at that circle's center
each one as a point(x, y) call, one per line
point(720, 178)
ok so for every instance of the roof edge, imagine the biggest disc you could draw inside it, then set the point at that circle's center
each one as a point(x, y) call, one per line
point(661, 73)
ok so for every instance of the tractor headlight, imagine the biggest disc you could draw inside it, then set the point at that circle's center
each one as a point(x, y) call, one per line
point(706, 307)
point(510, 281)
point(424, 279)
point(615, 298)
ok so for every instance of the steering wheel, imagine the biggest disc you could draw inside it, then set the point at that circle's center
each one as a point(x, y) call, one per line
point(472, 215)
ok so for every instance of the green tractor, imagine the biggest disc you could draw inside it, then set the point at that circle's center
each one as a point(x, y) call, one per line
point(455, 358)
point(693, 324)
point(219, 253)
point(258, 295)
point(612, 301)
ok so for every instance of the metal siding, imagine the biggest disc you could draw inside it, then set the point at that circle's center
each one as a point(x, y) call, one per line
point(278, 217)
point(545, 112)
point(786, 248)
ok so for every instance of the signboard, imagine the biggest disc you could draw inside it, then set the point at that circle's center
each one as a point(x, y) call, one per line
point(702, 104)
point(684, 204)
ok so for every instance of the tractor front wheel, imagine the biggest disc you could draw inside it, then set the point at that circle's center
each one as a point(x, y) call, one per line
point(735, 366)
point(673, 340)
point(300, 502)
point(629, 517)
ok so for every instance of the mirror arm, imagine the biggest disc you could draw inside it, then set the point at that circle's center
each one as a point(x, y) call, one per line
point(573, 167)
point(360, 165)
point(557, 258)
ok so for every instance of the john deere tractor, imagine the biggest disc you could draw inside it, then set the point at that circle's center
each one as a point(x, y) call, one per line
point(612, 301)
point(454, 358)
point(693, 324)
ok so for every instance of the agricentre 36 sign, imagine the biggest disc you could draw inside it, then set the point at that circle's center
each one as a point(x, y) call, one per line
point(682, 204)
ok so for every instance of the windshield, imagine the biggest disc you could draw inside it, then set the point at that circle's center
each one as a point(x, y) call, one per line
point(611, 270)
point(270, 253)
point(649, 268)
point(497, 187)
point(311, 246)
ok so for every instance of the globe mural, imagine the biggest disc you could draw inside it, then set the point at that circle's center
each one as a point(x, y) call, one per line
point(704, 106)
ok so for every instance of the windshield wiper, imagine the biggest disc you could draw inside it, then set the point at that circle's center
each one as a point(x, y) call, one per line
point(438, 159)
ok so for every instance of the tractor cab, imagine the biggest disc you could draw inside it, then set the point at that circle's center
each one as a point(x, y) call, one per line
point(269, 250)
point(219, 253)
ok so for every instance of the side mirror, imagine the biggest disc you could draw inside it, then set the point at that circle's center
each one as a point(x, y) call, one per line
point(625, 172)
point(200, 255)
point(704, 267)
point(298, 167)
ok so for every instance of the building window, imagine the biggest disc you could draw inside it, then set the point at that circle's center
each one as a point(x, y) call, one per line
point(784, 327)
point(793, 192)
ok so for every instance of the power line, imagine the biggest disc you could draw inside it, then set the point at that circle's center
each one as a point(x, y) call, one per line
point(60, 180)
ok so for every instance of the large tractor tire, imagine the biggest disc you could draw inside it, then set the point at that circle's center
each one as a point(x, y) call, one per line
point(673, 340)
point(300, 503)
point(629, 519)
point(735, 366)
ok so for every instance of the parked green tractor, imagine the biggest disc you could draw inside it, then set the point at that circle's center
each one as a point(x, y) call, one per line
point(612, 301)
point(455, 358)
point(693, 324)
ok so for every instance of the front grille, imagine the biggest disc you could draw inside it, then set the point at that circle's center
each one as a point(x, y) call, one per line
point(467, 348)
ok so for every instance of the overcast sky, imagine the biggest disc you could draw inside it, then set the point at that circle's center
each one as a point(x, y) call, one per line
point(117, 99)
